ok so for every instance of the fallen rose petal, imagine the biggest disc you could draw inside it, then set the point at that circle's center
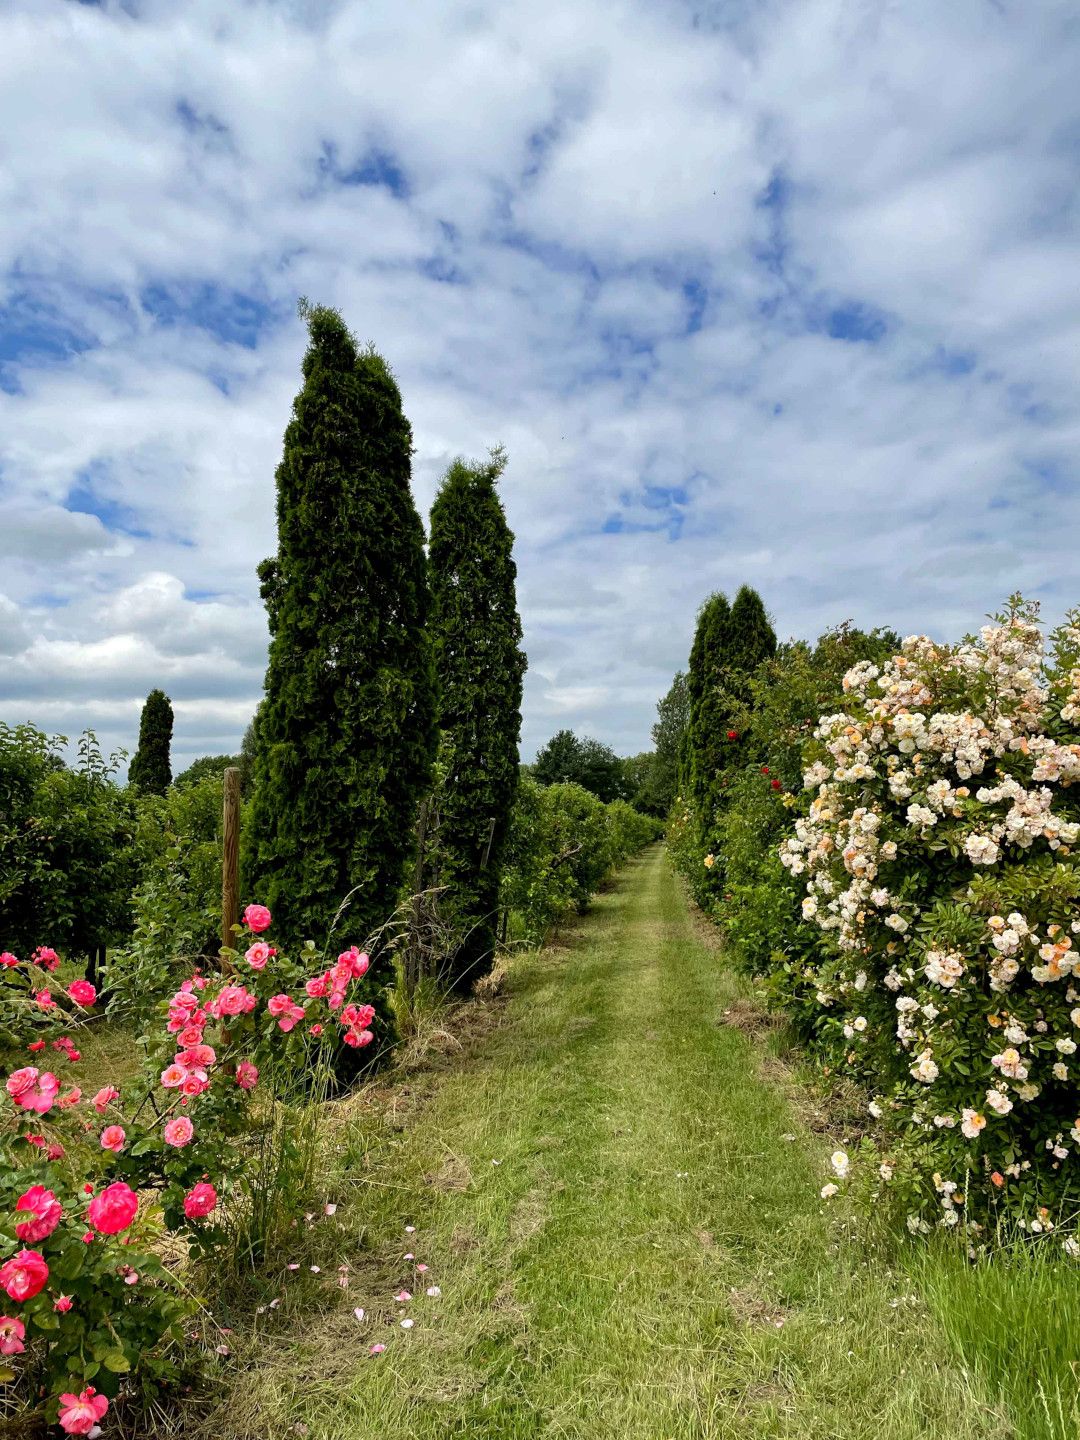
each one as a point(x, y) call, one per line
point(359, 1313)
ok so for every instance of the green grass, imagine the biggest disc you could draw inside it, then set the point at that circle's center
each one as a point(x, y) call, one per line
point(628, 1244)
point(1015, 1318)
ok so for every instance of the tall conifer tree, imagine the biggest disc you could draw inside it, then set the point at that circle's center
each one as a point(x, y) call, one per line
point(476, 635)
point(346, 734)
point(751, 638)
point(706, 729)
point(151, 769)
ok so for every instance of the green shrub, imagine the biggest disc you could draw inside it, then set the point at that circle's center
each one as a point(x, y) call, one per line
point(563, 844)
point(176, 905)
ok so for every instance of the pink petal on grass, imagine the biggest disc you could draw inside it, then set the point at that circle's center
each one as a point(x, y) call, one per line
point(402, 1296)
point(421, 1269)
point(359, 1313)
point(376, 1349)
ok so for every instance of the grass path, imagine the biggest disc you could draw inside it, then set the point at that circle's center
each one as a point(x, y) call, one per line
point(623, 1220)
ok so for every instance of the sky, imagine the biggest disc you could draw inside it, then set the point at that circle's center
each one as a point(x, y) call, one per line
point(779, 293)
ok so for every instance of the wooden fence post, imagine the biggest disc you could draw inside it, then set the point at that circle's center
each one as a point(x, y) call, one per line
point(412, 951)
point(230, 857)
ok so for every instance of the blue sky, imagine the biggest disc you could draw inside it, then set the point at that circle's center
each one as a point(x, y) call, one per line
point(779, 292)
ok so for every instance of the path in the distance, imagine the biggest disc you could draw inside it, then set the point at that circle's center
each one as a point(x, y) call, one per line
point(627, 1231)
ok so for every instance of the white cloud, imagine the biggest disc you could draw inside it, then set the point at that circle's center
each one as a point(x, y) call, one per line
point(625, 239)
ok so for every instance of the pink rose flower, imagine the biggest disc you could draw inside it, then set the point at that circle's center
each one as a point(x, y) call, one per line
point(257, 918)
point(179, 1132)
point(195, 1082)
point(353, 962)
point(197, 1056)
point(112, 1138)
point(318, 986)
point(32, 1089)
point(46, 1210)
point(278, 1004)
point(104, 1098)
point(44, 999)
point(358, 1038)
point(70, 1097)
point(82, 992)
point(173, 1076)
point(247, 1075)
point(233, 1000)
point(79, 1414)
point(291, 1017)
point(8, 960)
point(114, 1209)
point(190, 1035)
point(199, 1201)
point(12, 1335)
point(258, 954)
point(62, 1303)
point(46, 957)
point(316, 1030)
point(24, 1275)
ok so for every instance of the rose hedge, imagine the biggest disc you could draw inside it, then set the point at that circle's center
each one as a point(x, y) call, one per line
point(939, 870)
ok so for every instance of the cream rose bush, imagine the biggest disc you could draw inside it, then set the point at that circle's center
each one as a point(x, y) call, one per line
point(939, 862)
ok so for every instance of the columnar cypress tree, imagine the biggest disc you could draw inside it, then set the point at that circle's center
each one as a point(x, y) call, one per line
point(751, 638)
point(346, 732)
point(150, 769)
point(707, 726)
point(476, 635)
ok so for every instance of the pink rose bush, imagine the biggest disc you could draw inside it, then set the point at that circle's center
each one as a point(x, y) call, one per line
point(81, 1286)
point(939, 864)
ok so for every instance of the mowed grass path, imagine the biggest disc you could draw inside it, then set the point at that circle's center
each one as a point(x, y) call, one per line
point(623, 1218)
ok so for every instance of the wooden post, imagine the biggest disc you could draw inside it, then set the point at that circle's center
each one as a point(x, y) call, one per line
point(230, 857)
point(412, 952)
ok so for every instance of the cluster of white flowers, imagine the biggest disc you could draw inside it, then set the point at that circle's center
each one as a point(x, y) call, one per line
point(892, 856)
